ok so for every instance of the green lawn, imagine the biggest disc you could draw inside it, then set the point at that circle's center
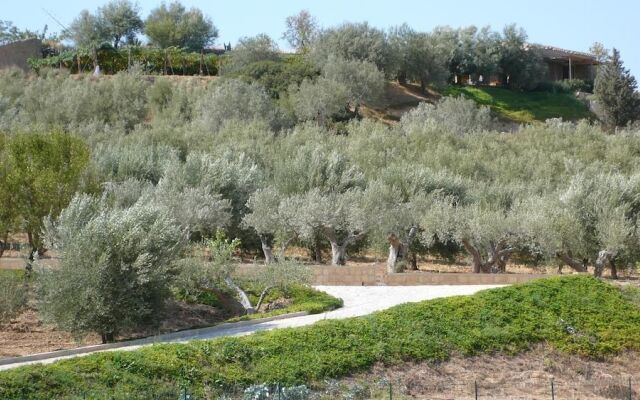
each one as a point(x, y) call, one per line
point(524, 107)
point(579, 315)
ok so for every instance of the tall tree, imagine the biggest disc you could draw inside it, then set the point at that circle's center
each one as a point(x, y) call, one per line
point(352, 41)
point(121, 21)
point(87, 30)
point(46, 170)
point(250, 50)
point(520, 63)
point(300, 30)
point(174, 25)
point(616, 91)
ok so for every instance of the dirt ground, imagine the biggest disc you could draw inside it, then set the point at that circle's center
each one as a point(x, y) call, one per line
point(524, 376)
point(27, 334)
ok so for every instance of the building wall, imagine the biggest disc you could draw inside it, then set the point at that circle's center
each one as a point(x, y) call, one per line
point(560, 70)
point(16, 54)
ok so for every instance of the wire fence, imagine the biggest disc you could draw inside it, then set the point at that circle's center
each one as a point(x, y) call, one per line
point(622, 388)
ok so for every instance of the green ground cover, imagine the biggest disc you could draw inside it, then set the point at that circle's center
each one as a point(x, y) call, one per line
point(579, 315)
point(524, 107)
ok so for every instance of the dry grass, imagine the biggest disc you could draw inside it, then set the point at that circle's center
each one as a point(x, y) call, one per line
point(524, 376)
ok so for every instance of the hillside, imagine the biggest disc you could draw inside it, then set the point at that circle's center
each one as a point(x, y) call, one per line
point(508, 106)
point(575, 315)
point(524, 107)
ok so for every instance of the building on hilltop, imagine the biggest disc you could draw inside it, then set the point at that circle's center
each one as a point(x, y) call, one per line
point(567, 64)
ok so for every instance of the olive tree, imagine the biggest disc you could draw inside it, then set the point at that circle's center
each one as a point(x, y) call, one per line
point(520, 63)
point(206, 193)
point(340, 218)
point(234, 99)
point(121, 20)
point(453, 114)
point(115, 269)
point(419, 57)
point(174, 26)
point(270, 216)
point(488, 233)
point(250, 50)
point(352, 41)
point(363, 81)
point(220, 271)
point(318, 100)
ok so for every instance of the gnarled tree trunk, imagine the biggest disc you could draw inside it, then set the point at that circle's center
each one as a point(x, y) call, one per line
point(339, 250)
point(267, 249)
point(497, 257)
point(399, 250)
point(242, 296)
point(567, 258)
point(605, 257)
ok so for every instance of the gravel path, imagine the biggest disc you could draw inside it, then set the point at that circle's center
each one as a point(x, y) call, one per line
point(358, 300)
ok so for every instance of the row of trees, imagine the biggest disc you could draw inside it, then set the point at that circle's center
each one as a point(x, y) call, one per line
point(435, 57)
point(560, 192)
point(119, 22)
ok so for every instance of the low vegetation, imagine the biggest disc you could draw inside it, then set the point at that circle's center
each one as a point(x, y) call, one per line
point(13, 294)
point(578, 315)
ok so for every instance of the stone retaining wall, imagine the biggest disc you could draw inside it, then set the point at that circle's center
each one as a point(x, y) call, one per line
point(376, 275)
point(16, 54)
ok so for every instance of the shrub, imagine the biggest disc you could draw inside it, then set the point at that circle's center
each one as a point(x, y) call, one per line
point(451, 114)
point(13, 295)
point(235, 100)
point(115, 270)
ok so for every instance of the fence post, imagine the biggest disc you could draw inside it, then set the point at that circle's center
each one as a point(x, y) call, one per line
point(279, 392)
point(630, 392)
point(553, 392)
point(475, 385)
point(390, 391)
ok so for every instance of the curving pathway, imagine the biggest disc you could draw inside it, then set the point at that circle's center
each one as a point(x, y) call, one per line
point(358, 301)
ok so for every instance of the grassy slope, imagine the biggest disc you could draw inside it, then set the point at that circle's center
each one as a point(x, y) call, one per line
point(524, 107)
point(577, 314)
point(303, 298)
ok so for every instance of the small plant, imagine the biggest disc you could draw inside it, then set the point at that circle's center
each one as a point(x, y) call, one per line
point(257, 392)
point(13, 295)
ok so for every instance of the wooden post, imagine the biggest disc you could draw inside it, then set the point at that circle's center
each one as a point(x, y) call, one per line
point(570, 69)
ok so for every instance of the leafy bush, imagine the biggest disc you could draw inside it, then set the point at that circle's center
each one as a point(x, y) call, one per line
point(456, 115)
point(235, 100)
point(577, 314)
point(116, 267)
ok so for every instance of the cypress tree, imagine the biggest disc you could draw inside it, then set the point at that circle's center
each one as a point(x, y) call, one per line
point(615, 89)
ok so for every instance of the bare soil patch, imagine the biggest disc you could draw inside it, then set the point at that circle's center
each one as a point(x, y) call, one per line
point(28, 334)
point(523, 376)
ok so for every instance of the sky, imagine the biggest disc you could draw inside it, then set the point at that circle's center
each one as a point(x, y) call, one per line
point(569, 24)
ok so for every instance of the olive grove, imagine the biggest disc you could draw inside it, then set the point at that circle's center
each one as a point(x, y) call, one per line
point(137, 183)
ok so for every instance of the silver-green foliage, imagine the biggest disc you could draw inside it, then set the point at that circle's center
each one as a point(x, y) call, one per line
point(233, 99)
point(115, 270)
point(456, 115)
